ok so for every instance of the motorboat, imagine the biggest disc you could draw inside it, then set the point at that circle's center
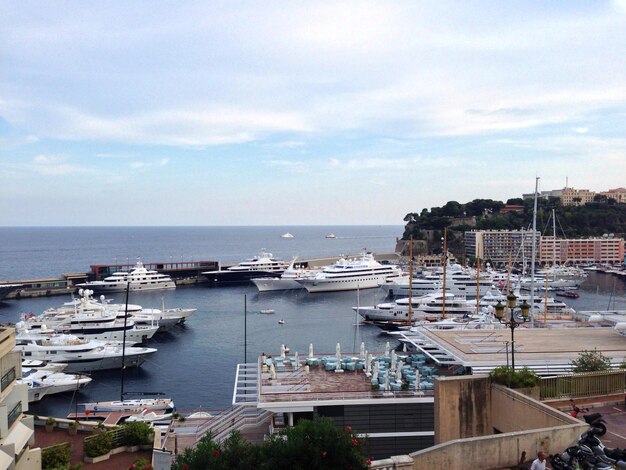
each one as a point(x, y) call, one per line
point(99, 325)
point(262, 265)
point(541, 303)
point(286, 235)
point(267, 311)
point(80, 355)
point(134, 405)
point(137, 279)
point(351, 274)
point(427, 307)
point(43, 365)
point(331, 235)
point(146, 416)
point(288, 280)
point(458, 282)
point(52, 382)
point(568, 294)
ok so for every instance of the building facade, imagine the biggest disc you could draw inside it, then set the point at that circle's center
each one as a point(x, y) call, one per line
point(617, 194)
point(581, 251)
point(17, 431)
point(498, 246)
point(576, 197)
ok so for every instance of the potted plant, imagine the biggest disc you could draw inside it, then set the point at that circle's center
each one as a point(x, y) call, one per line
point(72, 428)
point(50, 424)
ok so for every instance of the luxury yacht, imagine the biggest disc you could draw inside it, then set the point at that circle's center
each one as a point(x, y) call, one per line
point(288, 280)
point(43, 382)
point(101, 325)
point(139, 278)
point(426, 307)
point(262, 265)
point(80, 355)
point(351, 274)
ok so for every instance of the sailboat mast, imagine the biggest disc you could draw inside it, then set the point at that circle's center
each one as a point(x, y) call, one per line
point(477, 284)
point(553, 239)
point(533, 255)
point(411, 281)
point(445, 262)
point(124, 341)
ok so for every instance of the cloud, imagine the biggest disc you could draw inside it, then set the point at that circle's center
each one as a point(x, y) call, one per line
point(139, 165)
point(51, 165)
point(290, 165)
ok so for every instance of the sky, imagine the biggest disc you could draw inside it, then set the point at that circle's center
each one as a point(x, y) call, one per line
point(302, 113)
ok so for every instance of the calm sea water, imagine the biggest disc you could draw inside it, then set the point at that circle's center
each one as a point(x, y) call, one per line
point(195, 364)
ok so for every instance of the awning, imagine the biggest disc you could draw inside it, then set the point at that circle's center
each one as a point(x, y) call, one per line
point(5, 460)
point(19, 435)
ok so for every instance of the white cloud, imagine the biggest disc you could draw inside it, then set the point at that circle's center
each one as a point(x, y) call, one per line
point(51, 165)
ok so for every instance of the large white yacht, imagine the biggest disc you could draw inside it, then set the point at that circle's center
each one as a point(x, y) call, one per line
point(288, 280)
point(149, 404)
point(262, 265)
point(139, 278)
point(80, 355)
point(426, 307)
point(458, 282)
point(351, 274)
point(101, 325)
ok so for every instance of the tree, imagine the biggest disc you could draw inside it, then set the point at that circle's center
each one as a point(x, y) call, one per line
point(316, 444)
point(591, 361)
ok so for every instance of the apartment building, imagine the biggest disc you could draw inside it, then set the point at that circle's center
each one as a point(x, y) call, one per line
point(17, 431)
point(581, 251)
point(498, 246)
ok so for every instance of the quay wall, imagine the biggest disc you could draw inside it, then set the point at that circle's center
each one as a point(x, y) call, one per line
point(66, 284)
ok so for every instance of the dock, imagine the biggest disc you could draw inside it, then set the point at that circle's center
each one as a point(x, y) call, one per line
point(182, 272)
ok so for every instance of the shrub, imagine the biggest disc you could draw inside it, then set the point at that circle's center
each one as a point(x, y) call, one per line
point(98, 444)
point(524, 378)
point(56, 457)
point(140, 464)
point(591, 361)
point(50, 420)
point(137, 433)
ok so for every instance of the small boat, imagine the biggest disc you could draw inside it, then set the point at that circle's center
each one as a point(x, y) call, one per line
point(286, 235)
point(149, 404)
point(267, 311)
point(331, 235)
point(148, 417)
point(568, 294)
point(281, 322)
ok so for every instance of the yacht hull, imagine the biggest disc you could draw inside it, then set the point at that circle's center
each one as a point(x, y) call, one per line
point(332, 285)
point(276, 284)
point(237, 277)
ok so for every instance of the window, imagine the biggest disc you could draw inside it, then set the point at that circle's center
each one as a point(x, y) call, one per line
point(14, 414)
point(8, 378)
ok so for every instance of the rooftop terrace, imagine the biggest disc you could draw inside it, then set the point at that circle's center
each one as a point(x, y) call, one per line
point(322, 378)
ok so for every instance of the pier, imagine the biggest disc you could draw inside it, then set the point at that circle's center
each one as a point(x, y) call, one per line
point(182, 272)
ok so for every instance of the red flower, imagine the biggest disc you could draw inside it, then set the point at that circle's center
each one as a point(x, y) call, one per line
point(324, 453)
point(216, 453)
point(132, 465)
point(355, 442)
point(348, 428)
point(368, 462)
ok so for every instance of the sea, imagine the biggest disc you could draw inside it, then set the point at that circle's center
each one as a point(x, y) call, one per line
point(196, 363)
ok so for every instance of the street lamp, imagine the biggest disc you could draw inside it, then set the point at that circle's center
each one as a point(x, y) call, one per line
point(513, 321)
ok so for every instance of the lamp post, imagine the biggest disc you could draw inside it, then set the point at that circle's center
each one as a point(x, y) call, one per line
point(512, 322)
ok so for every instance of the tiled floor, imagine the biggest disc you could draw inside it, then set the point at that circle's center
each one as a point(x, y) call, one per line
point(118, 461)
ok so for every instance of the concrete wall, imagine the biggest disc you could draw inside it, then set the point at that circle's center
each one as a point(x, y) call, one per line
point(497, 451)
point(462, 407)
point(512, 411)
